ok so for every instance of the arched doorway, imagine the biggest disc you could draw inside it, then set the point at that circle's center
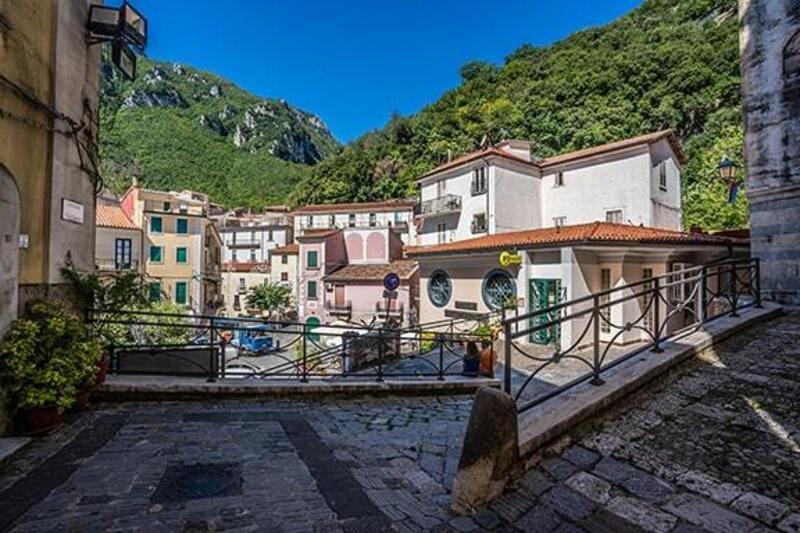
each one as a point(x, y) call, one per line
point(312, 323)
point(9, 249)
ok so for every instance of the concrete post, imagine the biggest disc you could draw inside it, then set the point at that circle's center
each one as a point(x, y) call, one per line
point(490, 451)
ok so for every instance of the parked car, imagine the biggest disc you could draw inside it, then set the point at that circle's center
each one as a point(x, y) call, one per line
point(254, 339)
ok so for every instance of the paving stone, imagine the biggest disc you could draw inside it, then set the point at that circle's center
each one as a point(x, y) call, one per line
point(707, 514)
point(635, 481)
point(539, 519)
point(535, 482)
point(463, 524)
point(511, 505)
point(558, 468)
point(641, 514)
point(486, 519)
point(707, 485)
point(790, 524)
point(580, 456)
point(592, 487)
point(760, 507)
point(568, 503)
point(604, 521)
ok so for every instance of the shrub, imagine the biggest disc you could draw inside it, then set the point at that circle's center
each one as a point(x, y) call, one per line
point(47, 357)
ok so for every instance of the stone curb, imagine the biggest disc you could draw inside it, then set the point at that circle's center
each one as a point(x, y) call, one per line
point(554, 417)
point(124, 388)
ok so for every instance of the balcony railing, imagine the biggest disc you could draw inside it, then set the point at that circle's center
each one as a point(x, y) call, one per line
point(339, 308)
point(115, 265)
point(449, 203)
point(395, 310)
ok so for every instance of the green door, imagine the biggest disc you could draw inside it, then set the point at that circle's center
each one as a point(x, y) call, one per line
point(311, 324)
point(544, 293)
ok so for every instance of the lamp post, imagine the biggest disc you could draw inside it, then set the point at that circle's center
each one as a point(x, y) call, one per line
point(727, 172)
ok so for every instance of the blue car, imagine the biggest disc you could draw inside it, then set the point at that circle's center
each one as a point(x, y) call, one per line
point(257, 338)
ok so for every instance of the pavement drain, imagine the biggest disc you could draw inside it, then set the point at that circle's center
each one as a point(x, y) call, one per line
point(192, 482)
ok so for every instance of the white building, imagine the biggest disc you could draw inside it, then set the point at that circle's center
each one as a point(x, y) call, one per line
point(248, 237)
point(635, 181)
point(395, 214)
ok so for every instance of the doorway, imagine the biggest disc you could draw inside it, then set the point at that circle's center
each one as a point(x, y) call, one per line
point(542, 294)
point(9, 249)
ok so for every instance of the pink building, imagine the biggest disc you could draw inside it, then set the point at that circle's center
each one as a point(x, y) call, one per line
point(341, 274)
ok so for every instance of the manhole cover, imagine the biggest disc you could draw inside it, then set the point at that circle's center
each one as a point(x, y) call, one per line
point(192, 482)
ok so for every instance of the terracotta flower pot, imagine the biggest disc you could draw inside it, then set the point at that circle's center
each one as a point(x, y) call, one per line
point(39, 421)
point(488, 361)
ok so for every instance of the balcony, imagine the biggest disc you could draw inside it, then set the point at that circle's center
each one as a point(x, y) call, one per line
point(444, 205)
point(394, 309)
point(113, 265)
point(339, 308)
point(478, 225)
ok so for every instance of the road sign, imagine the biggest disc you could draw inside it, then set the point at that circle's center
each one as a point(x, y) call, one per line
point(391, 281)
point(390, 294)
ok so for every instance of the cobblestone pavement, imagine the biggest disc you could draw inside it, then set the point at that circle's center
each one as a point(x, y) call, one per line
point(716, 447)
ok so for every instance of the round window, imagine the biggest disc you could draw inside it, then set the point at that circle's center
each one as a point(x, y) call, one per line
point(439, 288)
point(498, 289)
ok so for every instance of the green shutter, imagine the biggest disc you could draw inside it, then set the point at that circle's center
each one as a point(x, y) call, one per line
point(155, 254)
point(180, 255)
point(156, 225)
point(154, 290)
point(180, 292)
point(182, 226)
point(312, 289)
point(311, 259)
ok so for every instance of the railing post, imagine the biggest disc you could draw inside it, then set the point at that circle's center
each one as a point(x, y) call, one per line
point(507, 363)
point(440, 338)
point(596, 380)
point(657, 316)
point(734, 291)
point(380, 355)
point(701, 314)
point(304, 357)
point(758, 282)
point(214, 354)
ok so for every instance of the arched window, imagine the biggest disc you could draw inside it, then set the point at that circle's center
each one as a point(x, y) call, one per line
point(439, 288)
point(498, 289)
point(791, 58)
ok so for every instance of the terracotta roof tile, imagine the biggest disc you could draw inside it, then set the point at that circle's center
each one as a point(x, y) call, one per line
point(404, 268)
point(112, 216)
point(595, 232)
point(246, 266)
point(472, 157)
point(387, 205)
point(289, 249)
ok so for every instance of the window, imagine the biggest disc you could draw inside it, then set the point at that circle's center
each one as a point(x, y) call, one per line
point(479, 223)
point(252, 256)
point(351, 220)
point(237, 302)
point(167, 206)
point(311, 290)
point(242, 284)
point(398, 218)
point(156, 225)
point(284, 259)
point(233, 256)
point(498, 289)
point(559, 221)
point(311, 259)
point(180, 292)
point(680, 291)
point(233, 237)
point(182, 226)
point(181, 255)
point(479, 181)
point(284, 276)
point(645, 300)
point(123, 250)
point(614, 216)
point(441, 232)
point(662, 175)
point(373, 220)
point(559, 179)
point(154, 291)
point(439, 288)
point(156, 254)
point(605, 284)
point(310, 221)
point(269, 235)
point(331, 221)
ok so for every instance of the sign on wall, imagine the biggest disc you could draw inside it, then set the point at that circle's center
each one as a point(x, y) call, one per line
point(72, 211)
point(508, 258)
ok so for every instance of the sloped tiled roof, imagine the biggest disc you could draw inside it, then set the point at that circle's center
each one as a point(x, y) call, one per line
point(388, 205)
point(246, 266)
point(595, 232)
point(404, 268)
point(474, 156)
point(289, 249)
point(112, 216)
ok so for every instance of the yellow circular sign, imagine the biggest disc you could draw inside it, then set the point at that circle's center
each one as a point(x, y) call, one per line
point(510, 258)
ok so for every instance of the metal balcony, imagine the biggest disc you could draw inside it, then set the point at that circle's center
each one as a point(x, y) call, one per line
point(339, 309)
point(113, 265)
point(393, 309)
point(444, 205)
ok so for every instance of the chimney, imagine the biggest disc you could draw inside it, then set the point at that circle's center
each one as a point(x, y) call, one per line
point(519, 148)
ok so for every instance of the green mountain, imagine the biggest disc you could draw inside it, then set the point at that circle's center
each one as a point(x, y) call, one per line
point(176, 127)
point(667, 64)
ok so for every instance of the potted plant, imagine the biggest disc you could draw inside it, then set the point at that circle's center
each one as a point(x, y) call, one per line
point(44, 360)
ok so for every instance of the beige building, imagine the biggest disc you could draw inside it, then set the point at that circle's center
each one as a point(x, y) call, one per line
point(237, 280)
point(118, 242)
point(49, 98)
point(181, 248)
point(284, 267)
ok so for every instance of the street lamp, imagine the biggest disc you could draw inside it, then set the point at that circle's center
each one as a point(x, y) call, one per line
point(727, 169)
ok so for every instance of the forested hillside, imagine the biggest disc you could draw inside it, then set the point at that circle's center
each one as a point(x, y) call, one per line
point(668, 64)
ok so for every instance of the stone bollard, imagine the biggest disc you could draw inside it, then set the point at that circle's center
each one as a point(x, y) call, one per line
point(490, 451)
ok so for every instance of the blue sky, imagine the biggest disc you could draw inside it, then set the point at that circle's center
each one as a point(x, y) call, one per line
point(355, 62)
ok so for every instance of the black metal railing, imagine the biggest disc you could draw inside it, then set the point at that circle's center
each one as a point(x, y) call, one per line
point(143, 342)
point(550, 350)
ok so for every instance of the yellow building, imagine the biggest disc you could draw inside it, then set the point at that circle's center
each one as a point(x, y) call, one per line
point(118, 244)
point(181, 248)
point(49, 98)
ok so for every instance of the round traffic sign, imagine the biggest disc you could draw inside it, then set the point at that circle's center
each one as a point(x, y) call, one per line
point(391, 281)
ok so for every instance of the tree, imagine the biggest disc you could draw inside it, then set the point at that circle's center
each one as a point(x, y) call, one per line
point(270, 297)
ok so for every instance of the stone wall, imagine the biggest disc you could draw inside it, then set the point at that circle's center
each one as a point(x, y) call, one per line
point(770, 64)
